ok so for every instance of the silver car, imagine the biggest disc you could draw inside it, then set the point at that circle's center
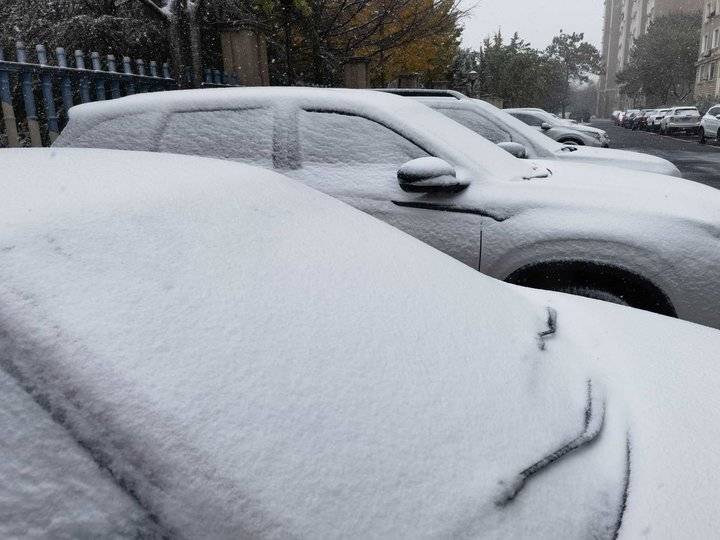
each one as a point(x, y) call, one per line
point(561, 130)
point(523, 141)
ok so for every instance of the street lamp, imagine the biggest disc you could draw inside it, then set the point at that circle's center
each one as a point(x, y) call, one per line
point(473, 76)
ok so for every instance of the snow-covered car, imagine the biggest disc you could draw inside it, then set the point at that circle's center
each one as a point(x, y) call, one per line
point(193, 348)
point(710, 125)
point(522, 140)
point(615, 116)
point(654, 119)
point(628, 118)
point(561, 130)
point(647, 240)
point(684, 119)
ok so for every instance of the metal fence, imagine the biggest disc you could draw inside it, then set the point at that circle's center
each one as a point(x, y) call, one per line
point(24, 84)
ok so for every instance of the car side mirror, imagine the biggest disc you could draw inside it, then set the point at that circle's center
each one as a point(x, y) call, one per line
point(516, 149)
point(429, 175)
point(545, 126)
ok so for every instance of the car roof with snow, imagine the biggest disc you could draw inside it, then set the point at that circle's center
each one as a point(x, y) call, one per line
point(240, 355)
point(429, 129)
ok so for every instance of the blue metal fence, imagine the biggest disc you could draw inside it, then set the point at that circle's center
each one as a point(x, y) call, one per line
point(30, 82)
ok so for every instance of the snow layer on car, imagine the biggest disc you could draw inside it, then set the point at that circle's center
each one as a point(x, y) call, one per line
point(49, 485)
point(249, 357)
point(428, 128)
point(666, 374)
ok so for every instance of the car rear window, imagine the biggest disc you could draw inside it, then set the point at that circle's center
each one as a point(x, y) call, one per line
point(687, 111)
point(244, 135)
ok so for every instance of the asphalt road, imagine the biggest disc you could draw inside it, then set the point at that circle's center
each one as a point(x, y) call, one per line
point(697, 162)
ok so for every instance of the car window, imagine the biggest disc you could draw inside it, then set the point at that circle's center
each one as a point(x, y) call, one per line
point(529, 119)
point(123, 132)
point(480, 125)
point(330, 137)
point(685, 111)
point(240, 135)
point(714, 111)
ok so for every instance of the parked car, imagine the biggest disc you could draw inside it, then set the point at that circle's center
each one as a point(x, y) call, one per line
point(655, 118)
point(561, 130)
point(615, 115)
point(628, 118)
point(710, 125)
point(200, 349)
point(600, 231)
point(640, 121)
point(680, 119)
point(522, 140)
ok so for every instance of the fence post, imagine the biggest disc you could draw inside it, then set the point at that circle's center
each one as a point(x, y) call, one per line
point(65, 84)
point(141, 71)
point(47, 92)
point(7, 107)
point(166, 70)
point(114, 83)
point(28, 97)
point(84, 87)
point(127, 69)
point(99, 81)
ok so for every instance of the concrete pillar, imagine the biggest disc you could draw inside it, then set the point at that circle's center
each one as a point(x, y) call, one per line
point(244, 53)
point(355, 73)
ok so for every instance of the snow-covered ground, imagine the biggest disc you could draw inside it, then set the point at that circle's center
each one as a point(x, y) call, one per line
point(237, 355)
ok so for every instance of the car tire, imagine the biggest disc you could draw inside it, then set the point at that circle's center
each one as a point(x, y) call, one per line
point(596, 294)
point(701, 135)
point(571, 142)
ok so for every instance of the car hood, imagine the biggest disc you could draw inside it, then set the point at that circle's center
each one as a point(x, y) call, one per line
point(620, 158)
point(577, 187)
point(665, 373)
point(586, 129)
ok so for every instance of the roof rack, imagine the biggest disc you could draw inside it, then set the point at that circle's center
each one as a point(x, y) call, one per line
point(423, 92)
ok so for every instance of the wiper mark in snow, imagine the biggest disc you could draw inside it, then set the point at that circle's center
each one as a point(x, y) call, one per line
point(626, 490)
point(594, 420)
point(550, 330)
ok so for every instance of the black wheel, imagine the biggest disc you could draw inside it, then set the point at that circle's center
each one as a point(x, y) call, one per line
point(701, 135)
point(571, 142)
point(595, 293)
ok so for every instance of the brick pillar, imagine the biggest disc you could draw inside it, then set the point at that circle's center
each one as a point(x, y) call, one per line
point(409, 80)
point(355, 73)
point(245, 55)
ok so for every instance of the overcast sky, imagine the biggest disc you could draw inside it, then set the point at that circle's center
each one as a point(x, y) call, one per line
point(537, 21)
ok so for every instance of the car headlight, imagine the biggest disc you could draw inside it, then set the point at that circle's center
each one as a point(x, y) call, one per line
point(597, 136)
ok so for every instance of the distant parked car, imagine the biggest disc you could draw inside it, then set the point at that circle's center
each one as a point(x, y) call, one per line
point(591, 230)
point(640, 121)
point(653, 123)
point(522, 140)
point(615, 115)
point(710, 125)
point(680, 119)
point(561, 130)
point(200, 349)
point(628, 117)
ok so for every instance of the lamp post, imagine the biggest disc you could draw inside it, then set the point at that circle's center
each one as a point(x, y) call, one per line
point(473, 77)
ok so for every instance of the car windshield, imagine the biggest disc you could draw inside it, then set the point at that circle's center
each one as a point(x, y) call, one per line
point(688, 111)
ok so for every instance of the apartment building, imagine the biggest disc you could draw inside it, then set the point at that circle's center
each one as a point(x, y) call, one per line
point(624, 22)
point(707, 85)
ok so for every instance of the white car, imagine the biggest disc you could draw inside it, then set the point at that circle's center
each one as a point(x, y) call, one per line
point(685, 119)
point(199, 349)
point(522, 140)
point(653, 123)
point(604, 232)
point(563, 131)
point(710, 125)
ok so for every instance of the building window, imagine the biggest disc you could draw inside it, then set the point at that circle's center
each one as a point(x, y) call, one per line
point(716, 37)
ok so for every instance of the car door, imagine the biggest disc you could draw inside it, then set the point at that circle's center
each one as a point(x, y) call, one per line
point(356, 158)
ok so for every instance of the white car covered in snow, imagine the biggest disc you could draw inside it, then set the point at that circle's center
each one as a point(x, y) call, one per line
point(522, 140)
point(199, 349)
point(646, 240)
